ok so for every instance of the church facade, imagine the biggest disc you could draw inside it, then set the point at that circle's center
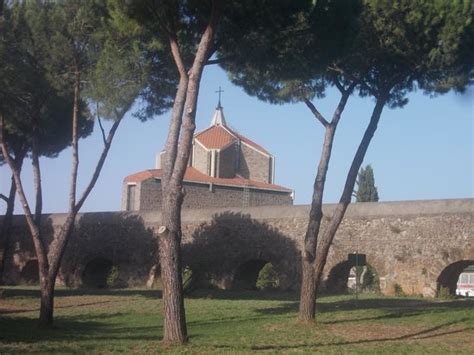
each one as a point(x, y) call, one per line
point(226, 169)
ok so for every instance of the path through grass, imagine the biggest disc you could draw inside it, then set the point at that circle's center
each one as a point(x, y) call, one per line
point(130, 321)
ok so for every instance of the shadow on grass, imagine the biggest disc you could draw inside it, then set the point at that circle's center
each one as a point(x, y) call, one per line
point(243, 295)
point(78, 328)
point(394, 308)
point(67, 292)
point(76, 305)
point(432, 332)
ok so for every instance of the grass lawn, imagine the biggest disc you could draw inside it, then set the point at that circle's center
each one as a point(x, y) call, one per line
point(130, 321)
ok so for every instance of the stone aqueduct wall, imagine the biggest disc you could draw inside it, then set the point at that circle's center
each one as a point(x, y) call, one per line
point(408, 243)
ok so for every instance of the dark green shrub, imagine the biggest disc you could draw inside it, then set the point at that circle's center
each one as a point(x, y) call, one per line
point(187, 275)
point(267, 278)
point(370, 281)
point(444, 294)
point(113, 277)
point(399, 290)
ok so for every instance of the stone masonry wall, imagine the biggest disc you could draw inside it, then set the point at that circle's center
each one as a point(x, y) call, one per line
point(201, 158)
point(200, 196)
point(254, 165)
point(408, 243)
point(227, 162)
point(149, 192)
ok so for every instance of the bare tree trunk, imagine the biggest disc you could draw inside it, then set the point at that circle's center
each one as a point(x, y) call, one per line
point(5, 231)
point(75, 140)
point(307, 309)
point(174, 316)
point(49, 262)
point(178, 147)
point(37, 179)
point(308, 286)
point(47, 301)
point(345, 200)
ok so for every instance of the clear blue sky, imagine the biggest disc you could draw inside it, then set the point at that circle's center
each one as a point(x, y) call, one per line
point(423, 151)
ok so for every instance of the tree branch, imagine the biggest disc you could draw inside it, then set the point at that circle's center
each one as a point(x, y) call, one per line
point(100, 125)
point(99, 165)
point(342, 103)
point(316, 113)
point(37, 178)
point(4, 198)
point(361, 82)
point(177, 56)
point(174, 131)
point(344, 201)
point(339, 85)
point(75, 139)
point(202, 54)
point(34, 229)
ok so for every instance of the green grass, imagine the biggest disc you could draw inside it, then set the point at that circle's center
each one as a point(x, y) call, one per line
point(130, 321)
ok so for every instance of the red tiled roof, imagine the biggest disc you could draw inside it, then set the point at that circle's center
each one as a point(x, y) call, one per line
point(193, 175)
point(215, 137)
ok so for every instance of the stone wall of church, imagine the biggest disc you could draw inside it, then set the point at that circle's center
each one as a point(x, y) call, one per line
point(130, 199)
point(201, 158)
point(150, 195)
point(200, 196)
point(227, 162)
point(254, 165)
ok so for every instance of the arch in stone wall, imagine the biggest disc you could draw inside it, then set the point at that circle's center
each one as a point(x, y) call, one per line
point(123, 239)
point(29, 273)
point(448, 277)
point(235, 244)
point(96, 273)
point(338, 276)
point(246, 274)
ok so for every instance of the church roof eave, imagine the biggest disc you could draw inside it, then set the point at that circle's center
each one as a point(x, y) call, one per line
point(192, 175)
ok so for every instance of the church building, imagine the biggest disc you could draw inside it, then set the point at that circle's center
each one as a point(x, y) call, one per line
point(225, 169)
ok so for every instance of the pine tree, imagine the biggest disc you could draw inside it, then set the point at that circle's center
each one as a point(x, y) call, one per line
point(376, 48)
point(366, 189)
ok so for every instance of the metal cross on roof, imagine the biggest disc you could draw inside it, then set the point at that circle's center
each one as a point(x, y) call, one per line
point(219, 91)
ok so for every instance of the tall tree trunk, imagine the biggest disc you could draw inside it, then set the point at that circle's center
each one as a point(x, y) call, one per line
point(178, 147)
point(345, 200)
point(49, 262)
point(174, 316)
point(308, 287)
point(5, 231)
point(307, 309)
point(37, 178)
point(47, 300)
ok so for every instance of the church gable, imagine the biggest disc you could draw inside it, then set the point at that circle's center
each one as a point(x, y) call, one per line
point(215, 137)
point(230, 153)
point(225, 169)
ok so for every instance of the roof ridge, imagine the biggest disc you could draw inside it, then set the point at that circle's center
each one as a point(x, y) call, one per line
point(203, 131)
